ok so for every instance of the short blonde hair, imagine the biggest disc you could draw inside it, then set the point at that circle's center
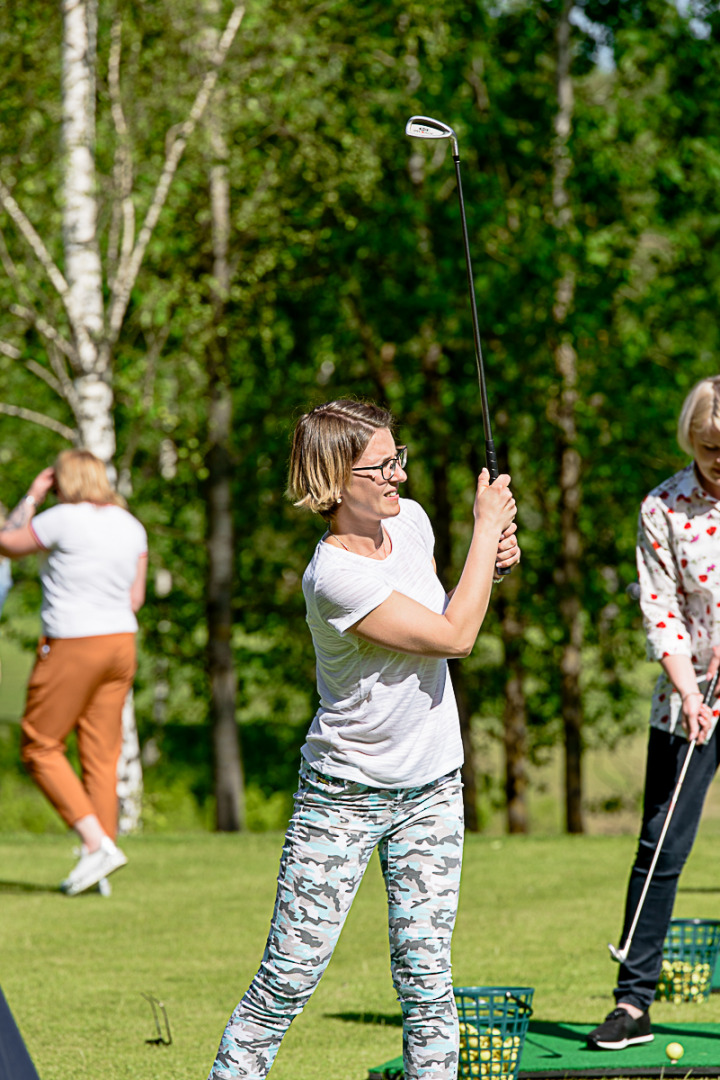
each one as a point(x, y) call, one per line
point(82, 477)
point(326, 443)
point(701, 409)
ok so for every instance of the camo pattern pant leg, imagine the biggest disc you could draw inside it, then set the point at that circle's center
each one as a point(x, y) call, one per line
point(421, 861)
point(335, 827)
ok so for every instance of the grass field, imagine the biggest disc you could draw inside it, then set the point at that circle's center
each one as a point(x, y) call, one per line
point(187, 922)
point(188, 918)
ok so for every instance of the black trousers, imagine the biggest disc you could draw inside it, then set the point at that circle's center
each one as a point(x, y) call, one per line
point(666, 755)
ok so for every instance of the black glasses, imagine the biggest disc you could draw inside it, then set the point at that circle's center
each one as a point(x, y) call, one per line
point(389, 465)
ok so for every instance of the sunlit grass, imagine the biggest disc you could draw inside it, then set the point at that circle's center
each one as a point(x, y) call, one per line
point(187, 922)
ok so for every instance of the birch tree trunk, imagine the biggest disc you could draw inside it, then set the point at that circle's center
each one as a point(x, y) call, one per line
point(80, 366)
point(229, 783)
point(84, 304)
point(568, 574)
point(83, 270)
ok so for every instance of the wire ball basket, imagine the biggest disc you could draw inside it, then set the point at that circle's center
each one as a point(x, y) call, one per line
point(689, 955)
point(493, 1025)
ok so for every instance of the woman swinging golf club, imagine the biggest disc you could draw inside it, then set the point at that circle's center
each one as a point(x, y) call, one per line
point(380, 765)
point(678, 556)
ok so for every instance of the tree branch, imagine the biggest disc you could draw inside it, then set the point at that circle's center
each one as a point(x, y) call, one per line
point(28, 313)
point(27, 229)
point(130, 267)
point(9, 350)
point(46, 376)
point(60, 382)
point(122, 233)
point(39, 418)
point(10, 268)
point(48, 331)
point(66, 384)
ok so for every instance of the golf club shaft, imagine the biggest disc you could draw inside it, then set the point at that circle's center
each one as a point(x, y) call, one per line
point(707, 698)
point(490, 455)
point(425, 127)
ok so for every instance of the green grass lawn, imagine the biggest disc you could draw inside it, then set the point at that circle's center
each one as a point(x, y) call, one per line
point(15, 665)
point(187, 922)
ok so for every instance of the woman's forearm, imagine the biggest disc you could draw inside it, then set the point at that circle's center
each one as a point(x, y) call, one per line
point(695, 716)
point(680, 671)
point(16, 536)
point(21, 515)
point(470, 598)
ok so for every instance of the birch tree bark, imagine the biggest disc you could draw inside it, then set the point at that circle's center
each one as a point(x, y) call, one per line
point(569, 464)
point(93, 391)
point(81, 358)
point(92, 387)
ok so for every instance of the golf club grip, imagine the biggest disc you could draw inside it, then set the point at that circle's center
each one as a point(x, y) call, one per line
point(491, 460)
point(492, 468)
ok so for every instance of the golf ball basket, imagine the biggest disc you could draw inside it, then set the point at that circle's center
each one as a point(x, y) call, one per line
point(493, 1025)
point(689, 955)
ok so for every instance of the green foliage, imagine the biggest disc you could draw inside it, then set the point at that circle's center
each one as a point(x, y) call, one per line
point(348, 278)
point(24, 809)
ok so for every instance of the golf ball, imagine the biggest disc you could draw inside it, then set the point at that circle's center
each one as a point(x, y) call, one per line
point(683, 981)
point(674, 1051)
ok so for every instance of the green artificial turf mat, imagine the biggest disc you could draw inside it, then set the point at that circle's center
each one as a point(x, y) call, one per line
point(557, 1050)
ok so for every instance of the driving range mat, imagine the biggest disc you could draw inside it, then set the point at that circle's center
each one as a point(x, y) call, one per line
point(556, 1050)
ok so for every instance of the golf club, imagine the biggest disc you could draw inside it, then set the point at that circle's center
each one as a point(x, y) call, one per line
point(621, 955)
point(424, 127)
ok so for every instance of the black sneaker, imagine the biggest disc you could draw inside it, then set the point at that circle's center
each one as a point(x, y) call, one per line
point(619, 1030)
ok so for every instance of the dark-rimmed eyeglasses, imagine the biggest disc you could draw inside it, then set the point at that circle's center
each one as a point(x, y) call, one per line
point(389, 465)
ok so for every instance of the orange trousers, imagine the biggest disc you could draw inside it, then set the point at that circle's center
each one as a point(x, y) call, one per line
point(78, 684)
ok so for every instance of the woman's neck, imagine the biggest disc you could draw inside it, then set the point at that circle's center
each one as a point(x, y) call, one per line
point(360, 538)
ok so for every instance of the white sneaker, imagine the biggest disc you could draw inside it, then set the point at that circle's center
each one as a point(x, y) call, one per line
point(104, 887)
point(92, 867)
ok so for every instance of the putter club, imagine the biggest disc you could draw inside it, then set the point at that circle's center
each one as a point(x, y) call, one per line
point(424, 127)
point(621, 955)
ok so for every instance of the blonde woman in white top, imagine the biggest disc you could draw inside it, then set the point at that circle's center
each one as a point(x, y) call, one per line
point(678, 559)
point(92, 568)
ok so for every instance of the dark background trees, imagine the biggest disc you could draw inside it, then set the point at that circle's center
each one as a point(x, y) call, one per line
point(592, 205)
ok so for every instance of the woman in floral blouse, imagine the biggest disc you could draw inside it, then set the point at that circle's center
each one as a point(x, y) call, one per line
point(678, 557)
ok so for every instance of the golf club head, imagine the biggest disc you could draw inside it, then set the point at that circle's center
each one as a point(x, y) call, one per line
point(618, 954)
point(424, 127)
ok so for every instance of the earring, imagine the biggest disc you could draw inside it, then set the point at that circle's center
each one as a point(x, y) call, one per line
point(339, 499)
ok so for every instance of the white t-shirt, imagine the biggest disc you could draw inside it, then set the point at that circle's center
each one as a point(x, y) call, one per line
point(386, 719)
point(91, 563)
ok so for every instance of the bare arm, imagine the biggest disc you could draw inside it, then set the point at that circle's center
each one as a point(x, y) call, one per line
point(18, 542)
point(407, 626)
point(16, 536)
point(137, 589)
point(508, 552)
point(696, 716)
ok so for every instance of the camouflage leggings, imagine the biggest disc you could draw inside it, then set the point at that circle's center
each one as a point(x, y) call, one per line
point(334, 830)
